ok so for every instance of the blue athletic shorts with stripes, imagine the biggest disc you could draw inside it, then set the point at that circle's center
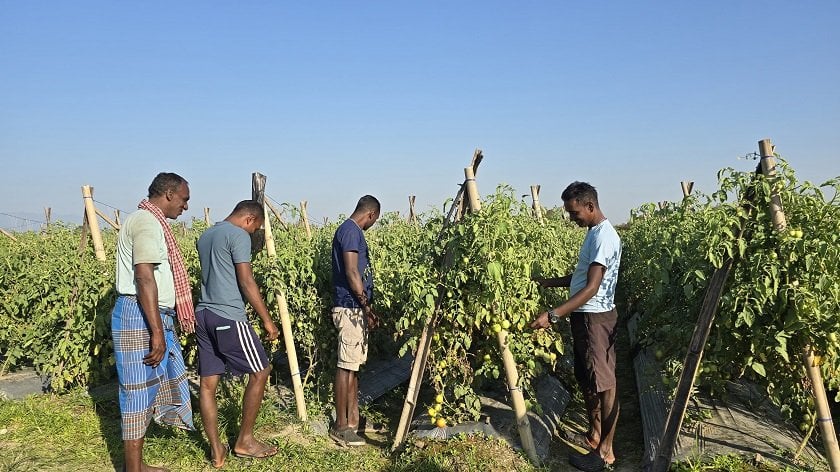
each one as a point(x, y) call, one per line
point(224, 343)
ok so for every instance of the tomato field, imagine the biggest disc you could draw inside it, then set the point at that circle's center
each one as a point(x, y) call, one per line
point(783, 294)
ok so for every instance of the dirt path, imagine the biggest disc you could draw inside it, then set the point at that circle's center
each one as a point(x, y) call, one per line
point(629, 439)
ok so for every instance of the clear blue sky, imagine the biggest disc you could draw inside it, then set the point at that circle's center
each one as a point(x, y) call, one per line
point(333, 100)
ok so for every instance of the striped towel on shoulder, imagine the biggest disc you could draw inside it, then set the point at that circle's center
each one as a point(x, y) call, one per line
point(147, 393)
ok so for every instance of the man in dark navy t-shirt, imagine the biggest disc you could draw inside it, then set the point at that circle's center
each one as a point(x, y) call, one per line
point(352, 315)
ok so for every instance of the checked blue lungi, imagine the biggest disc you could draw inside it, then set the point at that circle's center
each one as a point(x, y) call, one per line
point(147, 393)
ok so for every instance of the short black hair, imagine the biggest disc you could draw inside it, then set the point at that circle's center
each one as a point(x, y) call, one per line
point(580, 191)
point(249, 207)
point(164, 182)
point(367, 203)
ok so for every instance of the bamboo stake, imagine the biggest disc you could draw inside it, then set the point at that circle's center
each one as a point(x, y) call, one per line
point(412, 217)
point(421, 356)
point(93, 223)
point(768, 168)
point(85, 231)
point(107, 220)
point(289, 340)
point(472, 190)
point(519, 409)
point(812, 369)
point(535, 199)
point(305, 219)
point(207, 216)
point(258, 194)
point(269, 235)
point(8, 235)
point(277, 215)
point(687, 187)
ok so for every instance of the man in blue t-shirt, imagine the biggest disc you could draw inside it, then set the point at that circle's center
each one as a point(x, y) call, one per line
point(593, 321)
point(352, 315)
point(226, 339)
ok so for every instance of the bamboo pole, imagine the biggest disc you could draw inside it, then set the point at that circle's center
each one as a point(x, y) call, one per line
point(768, 168)
point(421, 356)
point(305, 219)
point(8, 234)
point(107, 220)
point(85, 231)
point(412, 216)
point(207, 216)
point(277, 215)
point(687, 187)
point(812, 369)
point(258, 193)
point(519, 409)
point(269, 235)
point(535, 203)
point(472, 190)
point(93, 223)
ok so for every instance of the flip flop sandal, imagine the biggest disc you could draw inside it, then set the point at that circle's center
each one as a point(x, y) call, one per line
point(591, 462)
point(264, 454)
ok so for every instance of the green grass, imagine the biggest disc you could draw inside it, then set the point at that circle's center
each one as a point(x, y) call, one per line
point(81, 432)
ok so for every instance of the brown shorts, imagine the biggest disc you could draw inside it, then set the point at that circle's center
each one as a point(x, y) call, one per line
point(593, 338)
point(352, 337)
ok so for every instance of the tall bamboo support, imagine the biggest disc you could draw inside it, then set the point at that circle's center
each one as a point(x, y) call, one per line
point(93, 223)
point(812, 369)
point(107, 220)
point(535, 203)
point(687, 187)
point(258, 194)
point(277, 215)
point(412, 216)
point(304, 218)
point(8, 234)
point(207, 216)
point(473, 197)
point(421, 356)
point(270, 248)
point(519, 409)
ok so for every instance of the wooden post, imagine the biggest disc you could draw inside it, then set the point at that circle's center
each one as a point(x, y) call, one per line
point(8, 234)
point(687, 187)
point(519, 409)
point(85, 231)
point(812, 369)
point(207, 216)
point(412, 217)
point(47, 217)
point(258, 193)
point(535, 203)
point(304, 218)
point(117, 217)
point(107, 220)
point(93, 223)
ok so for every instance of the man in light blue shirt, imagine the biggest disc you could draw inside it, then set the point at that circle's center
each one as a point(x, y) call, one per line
point(593, 321)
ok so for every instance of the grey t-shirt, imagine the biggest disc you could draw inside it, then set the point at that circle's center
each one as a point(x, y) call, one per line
point(220, 248)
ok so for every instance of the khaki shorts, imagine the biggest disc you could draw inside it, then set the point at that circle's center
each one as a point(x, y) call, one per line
point(352, 337)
